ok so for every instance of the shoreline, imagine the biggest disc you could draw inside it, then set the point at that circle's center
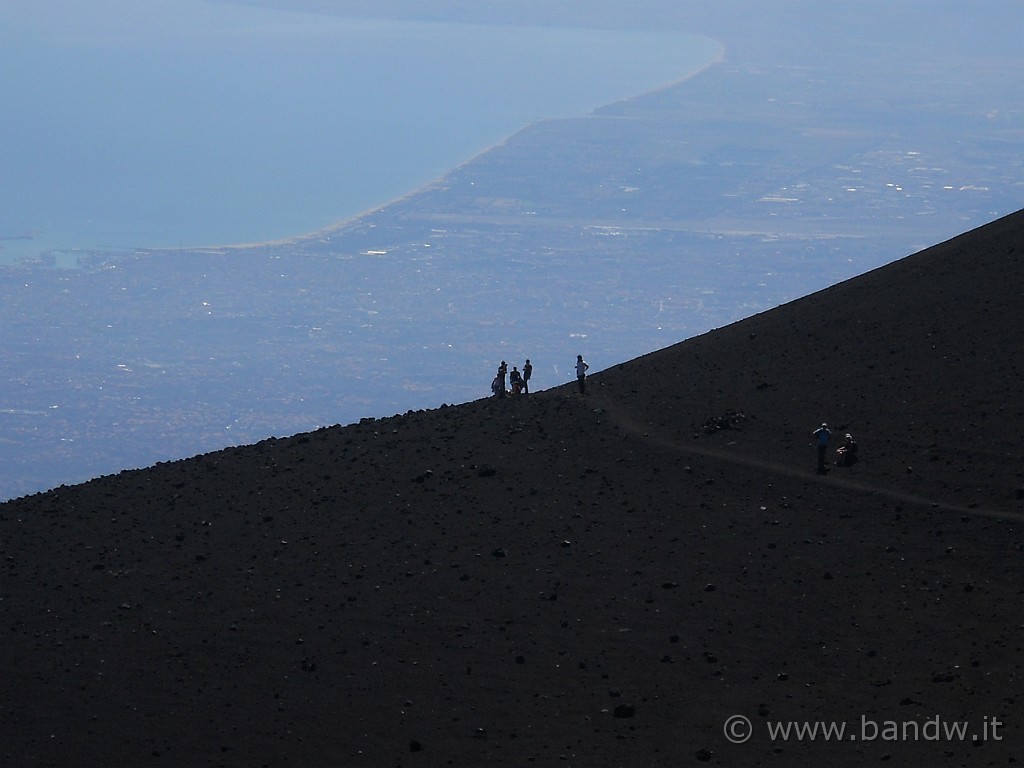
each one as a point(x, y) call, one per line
point(316, 234)
point(344, 223)
point(77, 253)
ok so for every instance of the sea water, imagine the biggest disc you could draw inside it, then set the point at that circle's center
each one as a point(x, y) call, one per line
point(182, 123)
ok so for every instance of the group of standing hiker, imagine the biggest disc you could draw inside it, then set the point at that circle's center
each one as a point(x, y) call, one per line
point(520, 380)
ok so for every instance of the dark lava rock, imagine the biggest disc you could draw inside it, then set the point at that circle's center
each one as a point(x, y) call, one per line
point(728, 420)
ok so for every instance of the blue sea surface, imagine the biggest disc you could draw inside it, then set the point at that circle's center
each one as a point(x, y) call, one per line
point(181, 123)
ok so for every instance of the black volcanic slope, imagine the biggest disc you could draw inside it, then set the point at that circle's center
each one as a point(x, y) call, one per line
point(563, 580)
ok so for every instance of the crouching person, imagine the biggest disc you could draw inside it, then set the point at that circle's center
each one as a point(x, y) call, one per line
point(846, 454)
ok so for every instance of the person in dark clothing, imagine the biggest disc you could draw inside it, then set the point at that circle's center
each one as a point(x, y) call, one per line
point(822, 435)
point(516, 380)
point(502, 372)
point(527, 373)
point(846, 454)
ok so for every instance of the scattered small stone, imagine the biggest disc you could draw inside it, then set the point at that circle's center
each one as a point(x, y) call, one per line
point(704, 755)
point(415, 746)
point(728, 420)
point(625, 710)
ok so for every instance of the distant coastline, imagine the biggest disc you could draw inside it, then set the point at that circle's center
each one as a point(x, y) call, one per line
point(128, 176)
point(342, 224)
point(317, 234)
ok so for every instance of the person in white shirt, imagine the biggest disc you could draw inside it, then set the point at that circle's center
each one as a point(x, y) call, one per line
point(581, 373)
